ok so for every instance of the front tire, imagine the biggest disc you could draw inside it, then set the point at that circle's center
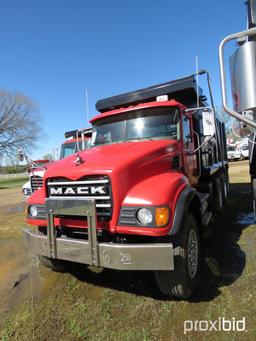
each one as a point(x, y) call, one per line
point(182, 281)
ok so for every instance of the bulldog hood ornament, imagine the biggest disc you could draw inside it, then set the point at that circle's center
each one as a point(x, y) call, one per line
point(78, 160)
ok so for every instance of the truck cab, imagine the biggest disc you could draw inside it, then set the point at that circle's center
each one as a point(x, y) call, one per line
point(142, 196)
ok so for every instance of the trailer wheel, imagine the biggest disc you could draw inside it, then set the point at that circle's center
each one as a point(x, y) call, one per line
point(182, 281)
point(54, 264)
point(217, 199)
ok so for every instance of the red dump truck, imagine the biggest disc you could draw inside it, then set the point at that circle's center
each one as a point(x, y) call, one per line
point(142, 196)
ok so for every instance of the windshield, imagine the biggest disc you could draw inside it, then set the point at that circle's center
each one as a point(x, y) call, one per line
point(67, 149)
point(71, 148)
point(245, 147)
point(144, 124)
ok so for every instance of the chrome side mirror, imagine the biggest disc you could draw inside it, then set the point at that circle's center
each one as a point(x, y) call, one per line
point(21, 155)
point(208, 122)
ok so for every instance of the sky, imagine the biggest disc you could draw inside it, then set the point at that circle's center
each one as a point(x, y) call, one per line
point(53, 50)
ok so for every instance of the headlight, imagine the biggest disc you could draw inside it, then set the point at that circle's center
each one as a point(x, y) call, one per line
point(33, 211)
point(144, 216)
point(150, 216)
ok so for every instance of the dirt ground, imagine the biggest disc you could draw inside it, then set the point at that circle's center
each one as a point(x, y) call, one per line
point(95, 304)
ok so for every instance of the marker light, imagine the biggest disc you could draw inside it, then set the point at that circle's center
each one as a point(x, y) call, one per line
point(162, 98)
point(161, 216)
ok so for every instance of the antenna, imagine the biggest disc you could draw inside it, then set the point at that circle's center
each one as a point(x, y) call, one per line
point(86, 105)
point(197, 86)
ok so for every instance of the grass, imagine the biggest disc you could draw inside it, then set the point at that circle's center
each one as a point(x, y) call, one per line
point(92, 304)
point(11, 225)
point(9, 183)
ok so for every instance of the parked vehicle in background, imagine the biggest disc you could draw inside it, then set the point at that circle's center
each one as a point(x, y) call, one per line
point(233, 153)
point(76, 140)
point(35, 167)
point(26, 189)
point(37, 164)
point(143, 195)
point(243, 148)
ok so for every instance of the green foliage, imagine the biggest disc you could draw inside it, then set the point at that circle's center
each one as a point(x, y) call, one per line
point(7, 183)
point(13, 169)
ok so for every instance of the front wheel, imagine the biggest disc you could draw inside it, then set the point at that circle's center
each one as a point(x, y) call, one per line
point(182, 281)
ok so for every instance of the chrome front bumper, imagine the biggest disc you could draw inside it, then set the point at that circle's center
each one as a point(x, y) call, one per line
point(147, 256)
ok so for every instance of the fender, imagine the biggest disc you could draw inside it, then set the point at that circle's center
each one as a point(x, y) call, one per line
point(159, 189)
point(182, 204)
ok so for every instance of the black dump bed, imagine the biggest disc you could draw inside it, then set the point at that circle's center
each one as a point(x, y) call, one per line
point(183, 90)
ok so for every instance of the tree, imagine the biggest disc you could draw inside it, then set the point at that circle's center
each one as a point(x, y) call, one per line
point(19, 124)
point(48, 157)
point(225, 117)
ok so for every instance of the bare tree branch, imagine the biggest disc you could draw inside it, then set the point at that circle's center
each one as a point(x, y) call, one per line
point(19, 123)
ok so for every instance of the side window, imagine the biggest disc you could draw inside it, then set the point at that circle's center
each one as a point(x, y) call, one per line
point(186, 131)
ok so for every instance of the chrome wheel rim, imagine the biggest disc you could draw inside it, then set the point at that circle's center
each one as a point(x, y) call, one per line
point(192, 254)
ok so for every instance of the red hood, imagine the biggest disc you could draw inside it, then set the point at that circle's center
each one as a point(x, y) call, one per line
point(114, 158)
point(127, 164)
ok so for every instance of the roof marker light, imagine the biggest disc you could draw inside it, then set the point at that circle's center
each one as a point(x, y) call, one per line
point(162, 98)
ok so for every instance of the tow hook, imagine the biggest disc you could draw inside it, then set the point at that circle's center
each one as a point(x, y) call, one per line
point(179, 251)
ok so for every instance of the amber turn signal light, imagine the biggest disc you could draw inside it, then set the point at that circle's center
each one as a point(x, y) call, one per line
point(161, 216)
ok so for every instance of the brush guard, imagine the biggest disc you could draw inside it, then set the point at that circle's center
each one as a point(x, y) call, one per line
point(147, 256)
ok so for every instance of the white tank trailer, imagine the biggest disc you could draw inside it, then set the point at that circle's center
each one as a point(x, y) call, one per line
point(242, 68)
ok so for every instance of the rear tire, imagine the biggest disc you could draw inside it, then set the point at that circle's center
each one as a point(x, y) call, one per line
point(54, 264)
point(182, 281)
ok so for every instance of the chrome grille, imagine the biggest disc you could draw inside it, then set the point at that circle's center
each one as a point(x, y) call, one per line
point(97, 188)
point(36, 182)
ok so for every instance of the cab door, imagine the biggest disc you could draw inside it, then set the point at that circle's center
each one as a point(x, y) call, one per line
point(189, 157)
